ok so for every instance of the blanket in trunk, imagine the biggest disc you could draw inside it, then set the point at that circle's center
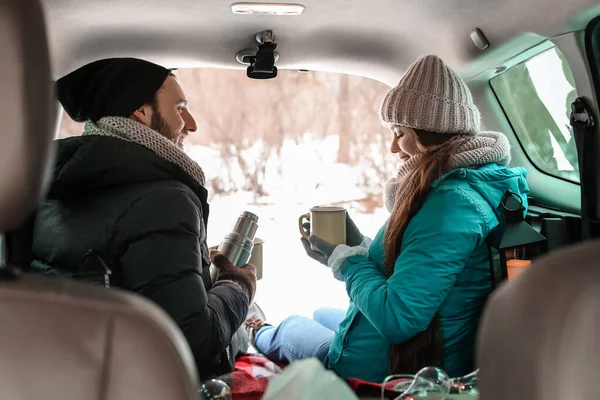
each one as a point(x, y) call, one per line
point(252, 372)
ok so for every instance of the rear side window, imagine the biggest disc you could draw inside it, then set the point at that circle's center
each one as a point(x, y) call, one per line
point(536, 97)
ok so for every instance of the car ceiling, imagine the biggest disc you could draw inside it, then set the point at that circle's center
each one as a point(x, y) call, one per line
point(374, 38)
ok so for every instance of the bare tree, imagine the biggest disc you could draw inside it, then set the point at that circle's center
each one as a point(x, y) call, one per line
point(344, 116)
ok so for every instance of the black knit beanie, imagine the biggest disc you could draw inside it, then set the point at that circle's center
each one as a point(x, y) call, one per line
point(114, 87)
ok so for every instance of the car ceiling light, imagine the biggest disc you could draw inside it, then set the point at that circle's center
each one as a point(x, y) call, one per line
point(267, 8)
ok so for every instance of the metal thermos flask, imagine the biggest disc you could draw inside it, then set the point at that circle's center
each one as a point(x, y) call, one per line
point(237, 245)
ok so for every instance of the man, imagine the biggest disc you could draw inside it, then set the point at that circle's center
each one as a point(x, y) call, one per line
point(125, 197)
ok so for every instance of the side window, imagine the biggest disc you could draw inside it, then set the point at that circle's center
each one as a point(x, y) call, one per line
point(536, 96)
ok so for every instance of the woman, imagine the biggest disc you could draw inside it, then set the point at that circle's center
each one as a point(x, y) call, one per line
point(417, 291)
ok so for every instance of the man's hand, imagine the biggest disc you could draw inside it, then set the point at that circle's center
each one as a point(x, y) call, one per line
point(244, 276)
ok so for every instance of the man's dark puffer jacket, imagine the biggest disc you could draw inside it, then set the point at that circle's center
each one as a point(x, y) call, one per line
point(146, 218)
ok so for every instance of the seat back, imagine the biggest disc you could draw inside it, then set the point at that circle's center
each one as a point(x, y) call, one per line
point(539, 337)
point(61, 339)
point(26, 109)
point(64, 340)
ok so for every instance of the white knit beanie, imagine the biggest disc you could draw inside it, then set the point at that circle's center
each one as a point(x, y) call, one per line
point(431, 97)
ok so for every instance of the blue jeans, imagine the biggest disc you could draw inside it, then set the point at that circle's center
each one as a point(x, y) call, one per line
point(297, 338)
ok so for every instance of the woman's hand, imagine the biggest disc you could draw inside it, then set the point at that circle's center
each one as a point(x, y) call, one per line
point(322, 249)
point(323, 252)
point(353, 235)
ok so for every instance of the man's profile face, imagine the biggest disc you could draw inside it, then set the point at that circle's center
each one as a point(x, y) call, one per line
point(170, 117)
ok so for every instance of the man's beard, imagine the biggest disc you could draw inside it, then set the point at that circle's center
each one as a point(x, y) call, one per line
point(159, 124)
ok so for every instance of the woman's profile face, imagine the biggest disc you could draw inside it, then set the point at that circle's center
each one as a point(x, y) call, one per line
point(404, 143)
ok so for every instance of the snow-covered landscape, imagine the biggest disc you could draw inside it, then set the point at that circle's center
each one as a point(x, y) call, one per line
point(302, 175)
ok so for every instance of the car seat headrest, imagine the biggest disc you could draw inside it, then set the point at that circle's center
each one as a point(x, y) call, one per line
point(27, 117)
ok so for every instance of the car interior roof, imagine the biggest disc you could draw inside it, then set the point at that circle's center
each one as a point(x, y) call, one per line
point(375, 38)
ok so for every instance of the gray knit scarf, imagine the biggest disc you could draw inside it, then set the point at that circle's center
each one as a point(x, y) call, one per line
point(133, 131)
point(483, 148)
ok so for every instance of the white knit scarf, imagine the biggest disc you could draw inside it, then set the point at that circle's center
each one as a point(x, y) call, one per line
point(483, 148)
point(133, 131)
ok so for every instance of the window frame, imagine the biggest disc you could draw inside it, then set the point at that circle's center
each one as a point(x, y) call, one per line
point(519, 140)
point(593, 55)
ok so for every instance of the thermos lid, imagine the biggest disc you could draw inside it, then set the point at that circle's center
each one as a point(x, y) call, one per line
point(250, 215)
point(246, 224)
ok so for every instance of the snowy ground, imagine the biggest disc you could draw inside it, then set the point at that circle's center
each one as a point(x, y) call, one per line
point(304, 175)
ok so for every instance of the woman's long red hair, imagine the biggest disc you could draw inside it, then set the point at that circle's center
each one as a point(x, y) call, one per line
point(426, 348)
